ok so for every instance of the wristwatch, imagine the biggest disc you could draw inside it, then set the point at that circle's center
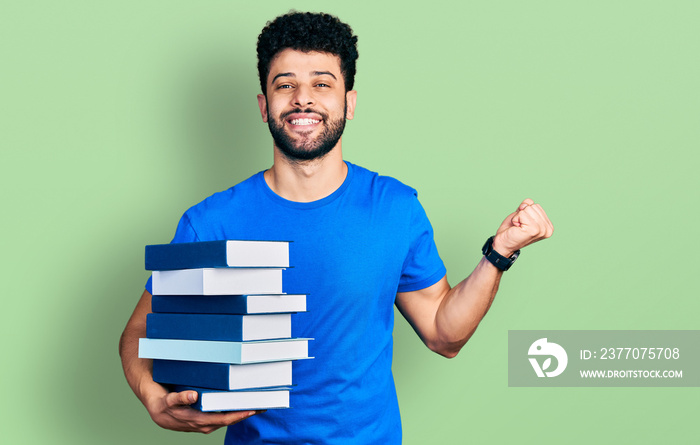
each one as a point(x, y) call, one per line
point(496, 258)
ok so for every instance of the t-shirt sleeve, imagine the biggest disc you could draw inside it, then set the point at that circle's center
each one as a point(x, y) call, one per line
point(183, 234)
point(423, 266)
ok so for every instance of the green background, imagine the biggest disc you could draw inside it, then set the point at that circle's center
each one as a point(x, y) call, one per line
point(117, 116)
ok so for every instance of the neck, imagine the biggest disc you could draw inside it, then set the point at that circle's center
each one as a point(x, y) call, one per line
point(306, 181)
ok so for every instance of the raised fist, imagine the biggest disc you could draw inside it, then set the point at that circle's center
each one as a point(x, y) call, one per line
point(528, 224)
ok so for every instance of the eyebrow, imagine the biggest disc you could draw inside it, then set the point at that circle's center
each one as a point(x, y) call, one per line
point(321, 73)
point(283, 75)
point(313, 73)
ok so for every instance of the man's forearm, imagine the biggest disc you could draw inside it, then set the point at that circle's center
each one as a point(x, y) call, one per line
point(138, 372)
point(169, 410)
point(463, 308)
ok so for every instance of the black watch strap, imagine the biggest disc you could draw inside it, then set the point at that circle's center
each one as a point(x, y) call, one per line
point(496, 258)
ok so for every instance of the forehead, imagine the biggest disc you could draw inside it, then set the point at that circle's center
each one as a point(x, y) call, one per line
point(302, 63)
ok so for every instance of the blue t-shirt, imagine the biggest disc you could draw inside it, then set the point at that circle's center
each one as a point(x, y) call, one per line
point(352, 251)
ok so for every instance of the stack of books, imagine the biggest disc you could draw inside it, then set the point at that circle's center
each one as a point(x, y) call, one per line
point(220, 323)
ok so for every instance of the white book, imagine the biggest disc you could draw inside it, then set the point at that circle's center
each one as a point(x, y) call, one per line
point(218, 281)
point(260, 304)
point(212, 400)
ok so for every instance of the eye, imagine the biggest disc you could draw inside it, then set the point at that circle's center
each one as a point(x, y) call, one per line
point(323, 85)
point(284, 86)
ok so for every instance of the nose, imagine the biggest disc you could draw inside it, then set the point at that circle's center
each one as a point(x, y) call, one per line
point(303, 96)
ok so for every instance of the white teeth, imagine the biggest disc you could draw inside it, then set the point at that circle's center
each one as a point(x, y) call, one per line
point(304, 121)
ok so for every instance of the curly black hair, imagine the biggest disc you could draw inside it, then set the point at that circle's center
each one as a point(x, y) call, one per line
point(307, 31)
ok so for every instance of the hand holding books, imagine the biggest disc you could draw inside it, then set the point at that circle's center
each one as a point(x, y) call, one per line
point(174, 412)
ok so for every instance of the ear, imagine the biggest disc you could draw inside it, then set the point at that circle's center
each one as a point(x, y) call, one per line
point(262, 104)
point(351, 100)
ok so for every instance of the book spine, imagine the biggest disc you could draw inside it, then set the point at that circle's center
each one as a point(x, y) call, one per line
point(212, 327)
point(223, 376)
point(190, 350)
point(205, 375)
point(186, 255)
point(218, 327)
point(224, 351)
point(197, 304)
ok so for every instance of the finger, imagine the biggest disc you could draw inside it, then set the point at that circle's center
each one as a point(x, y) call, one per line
point(526, 215)
point(537, 222)
point(180, 398)
point(540, 211)
point(525, 203)
point(549, 227)
point(543, 219)
point(189, 419)
point(513, 219)
point(534, 217)
point(524, 220)
point(516, 219)
point(219, 420)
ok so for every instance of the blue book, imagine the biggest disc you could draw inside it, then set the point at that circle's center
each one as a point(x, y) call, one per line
point(223, 376)
point(228, 304)
point(219, 327)
point(241, 400)
point(225, 253)
point(232, 352)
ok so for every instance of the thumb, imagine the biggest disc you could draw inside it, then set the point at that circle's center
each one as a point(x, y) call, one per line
point(181, 398)
point(516, 217)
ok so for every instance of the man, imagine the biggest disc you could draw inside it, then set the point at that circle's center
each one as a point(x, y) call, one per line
point(362, 243)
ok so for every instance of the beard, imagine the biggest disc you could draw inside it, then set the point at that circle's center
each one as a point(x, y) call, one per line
point(306, 149)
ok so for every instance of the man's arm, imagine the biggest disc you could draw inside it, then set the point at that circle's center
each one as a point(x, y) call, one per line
point(444, 317)
point(169, 410)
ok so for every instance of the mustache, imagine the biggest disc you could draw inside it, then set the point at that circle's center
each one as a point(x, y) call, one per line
point(307, 110)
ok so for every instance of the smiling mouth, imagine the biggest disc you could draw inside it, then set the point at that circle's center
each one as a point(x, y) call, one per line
point(304, 121)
